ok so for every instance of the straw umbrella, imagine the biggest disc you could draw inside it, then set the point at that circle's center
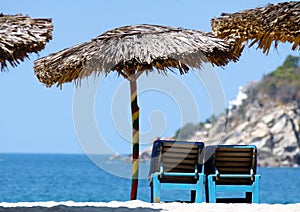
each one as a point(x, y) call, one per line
point(130, 51)
point(21, 35)
point(262, 25)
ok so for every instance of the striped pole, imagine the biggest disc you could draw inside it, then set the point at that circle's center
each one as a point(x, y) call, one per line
point(135, 139)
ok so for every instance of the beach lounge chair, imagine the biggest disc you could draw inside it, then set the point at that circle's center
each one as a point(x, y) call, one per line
point(232, 168)
point(177, 165)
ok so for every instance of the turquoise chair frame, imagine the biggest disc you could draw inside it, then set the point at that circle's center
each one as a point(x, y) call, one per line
point(157, 178)
point(253, 187)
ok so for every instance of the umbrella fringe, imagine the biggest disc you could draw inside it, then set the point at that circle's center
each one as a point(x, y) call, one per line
point(262, 25)
point(21, 35)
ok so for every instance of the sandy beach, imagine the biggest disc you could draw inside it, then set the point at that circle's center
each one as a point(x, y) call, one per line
point(138, 205)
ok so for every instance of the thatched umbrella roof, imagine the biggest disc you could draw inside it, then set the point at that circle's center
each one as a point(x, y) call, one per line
point(262, 25)
point(132, 49)
point(21, 35)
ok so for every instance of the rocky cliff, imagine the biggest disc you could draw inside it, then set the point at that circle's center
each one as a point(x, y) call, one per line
point(266, 114)
point(274, 130)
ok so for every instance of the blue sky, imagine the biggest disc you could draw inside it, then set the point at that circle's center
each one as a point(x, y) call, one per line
point(36, 119)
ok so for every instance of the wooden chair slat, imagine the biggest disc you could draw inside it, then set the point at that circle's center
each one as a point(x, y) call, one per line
point(233, 159)
point(180, 150)
point(236, 170)
point(185, 145)
point(233, 154)
point(180, 169)
point(224, 149)
point(231, 164)
point(179, 161)
point(178, 155)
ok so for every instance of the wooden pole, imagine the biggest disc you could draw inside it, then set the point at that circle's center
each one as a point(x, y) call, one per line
point(135, 139)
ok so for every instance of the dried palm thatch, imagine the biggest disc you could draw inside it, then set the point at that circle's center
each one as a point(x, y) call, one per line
point(21, 35)
point(262, 25)
point(133, 49)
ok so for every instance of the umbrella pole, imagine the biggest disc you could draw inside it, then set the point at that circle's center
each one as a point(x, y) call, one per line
point(135, 139)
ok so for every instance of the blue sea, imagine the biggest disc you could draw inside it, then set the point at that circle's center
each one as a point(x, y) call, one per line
point(59, 177)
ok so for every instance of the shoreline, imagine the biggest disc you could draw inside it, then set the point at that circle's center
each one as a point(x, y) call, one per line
point(137, 205)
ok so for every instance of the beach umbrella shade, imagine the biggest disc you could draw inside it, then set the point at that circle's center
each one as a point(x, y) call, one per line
point(262, 25)
point(21, 35)
point(131, 51)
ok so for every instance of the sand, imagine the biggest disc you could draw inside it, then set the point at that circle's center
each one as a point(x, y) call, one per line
point(138, 205)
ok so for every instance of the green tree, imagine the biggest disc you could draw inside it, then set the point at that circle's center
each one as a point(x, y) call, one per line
point(186, 131)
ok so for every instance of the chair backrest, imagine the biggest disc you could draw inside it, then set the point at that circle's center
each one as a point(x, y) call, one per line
point(176, 156)
point(235, 159)
point(181, 157)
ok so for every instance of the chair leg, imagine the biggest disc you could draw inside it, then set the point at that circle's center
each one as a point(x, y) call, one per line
point(248, 197)
point(206, 191)
point(211, 190)
point(151, 195)
point(156, 189)
point(199, 191)
point(193, 195)
point(255, 194)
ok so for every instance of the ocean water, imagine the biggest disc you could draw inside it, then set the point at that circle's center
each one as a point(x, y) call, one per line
point(58, 177)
